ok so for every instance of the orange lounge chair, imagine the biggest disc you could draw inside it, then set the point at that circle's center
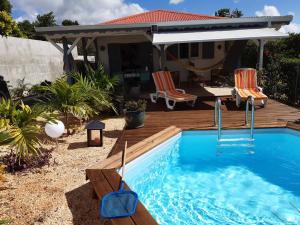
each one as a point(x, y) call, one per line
point(165, 88)
point(246, 85)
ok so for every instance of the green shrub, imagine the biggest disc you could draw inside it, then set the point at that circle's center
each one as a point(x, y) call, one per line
point(290, 68)
point(280, 79)
point(138, 106)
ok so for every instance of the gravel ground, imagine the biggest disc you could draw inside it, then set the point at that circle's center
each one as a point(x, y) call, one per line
point(58, 193)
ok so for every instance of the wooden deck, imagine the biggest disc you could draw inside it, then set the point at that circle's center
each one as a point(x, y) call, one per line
point(106, 181)
point(202, 117)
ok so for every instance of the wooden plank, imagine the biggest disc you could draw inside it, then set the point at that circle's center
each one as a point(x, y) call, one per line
point(73, 45)
point(201, 117)
point(295, 126)
point(141, 216)
point(102, 187)
point(139, 148)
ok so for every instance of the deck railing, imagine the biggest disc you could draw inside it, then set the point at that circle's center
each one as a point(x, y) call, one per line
point(250, 100)
point(218, 116)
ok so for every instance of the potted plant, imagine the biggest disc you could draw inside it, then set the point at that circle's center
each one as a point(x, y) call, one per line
point(135, 113)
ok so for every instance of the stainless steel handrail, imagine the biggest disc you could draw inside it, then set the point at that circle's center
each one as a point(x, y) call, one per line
point(251, 101)
point(218, 116)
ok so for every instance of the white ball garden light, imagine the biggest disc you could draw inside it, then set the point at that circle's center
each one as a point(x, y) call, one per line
point(54, 129)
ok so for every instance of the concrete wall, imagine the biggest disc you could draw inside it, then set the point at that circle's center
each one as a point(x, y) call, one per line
point(33, 60)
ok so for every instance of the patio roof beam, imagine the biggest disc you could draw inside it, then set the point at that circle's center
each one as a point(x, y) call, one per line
point(90, 41)
point(84, 50)
point(262, 43)
point(54, 44)
point(162, 56)
point(97, 58)
point(73, 45)
point(68, 59)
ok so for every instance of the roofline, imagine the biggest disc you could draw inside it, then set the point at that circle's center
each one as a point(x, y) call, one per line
point(162, 10)
point(164, 25)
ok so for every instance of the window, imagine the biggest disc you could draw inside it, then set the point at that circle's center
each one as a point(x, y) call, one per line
point(208, 50)
point(172, 52)
point(194, 49)
point(184, 50)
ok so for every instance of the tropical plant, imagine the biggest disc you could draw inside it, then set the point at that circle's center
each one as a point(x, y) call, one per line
point(98, 98)
point(19, 127)
point(136, 106)
point(100, 78)
point(9, 27)
point(81, 100)
point(66, 99)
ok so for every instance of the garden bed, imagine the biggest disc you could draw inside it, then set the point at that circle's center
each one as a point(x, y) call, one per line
point(51, 194)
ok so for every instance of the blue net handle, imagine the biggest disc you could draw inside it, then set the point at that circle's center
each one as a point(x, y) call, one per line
point(121, 188)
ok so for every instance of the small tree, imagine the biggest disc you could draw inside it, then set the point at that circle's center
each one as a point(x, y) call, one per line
point(6, 6)
point(8, 27)
point(236, 13)
point(226, 12)
point(45, 20)
point(27, 28)
point(67, 22)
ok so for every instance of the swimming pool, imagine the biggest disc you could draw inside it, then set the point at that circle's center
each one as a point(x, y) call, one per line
point(194, 179)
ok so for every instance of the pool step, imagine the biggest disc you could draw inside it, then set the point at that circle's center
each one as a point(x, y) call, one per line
point(235, 140)
point(236, 143)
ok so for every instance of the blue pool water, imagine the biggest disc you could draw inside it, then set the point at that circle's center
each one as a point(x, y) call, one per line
point(193, 179)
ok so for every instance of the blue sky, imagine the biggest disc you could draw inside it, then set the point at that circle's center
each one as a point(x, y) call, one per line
point(249, 7)
point(93, 11)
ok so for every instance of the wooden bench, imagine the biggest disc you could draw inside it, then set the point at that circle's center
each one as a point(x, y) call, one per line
point(105, 181)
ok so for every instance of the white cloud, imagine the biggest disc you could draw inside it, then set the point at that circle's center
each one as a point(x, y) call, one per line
point(85, 12)
point(175, 2)
point(269, 10)
point(236, 1)
point(291, 28)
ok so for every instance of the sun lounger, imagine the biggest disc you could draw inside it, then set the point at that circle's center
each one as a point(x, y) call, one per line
point(165, 88)
point(246, 85)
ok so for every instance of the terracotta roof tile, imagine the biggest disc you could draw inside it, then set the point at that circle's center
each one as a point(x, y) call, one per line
point(160, 16)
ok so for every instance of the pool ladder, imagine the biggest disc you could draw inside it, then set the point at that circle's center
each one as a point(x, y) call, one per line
point(218, 116)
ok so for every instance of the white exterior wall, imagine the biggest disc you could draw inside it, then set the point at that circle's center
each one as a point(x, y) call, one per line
point(36, 61)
